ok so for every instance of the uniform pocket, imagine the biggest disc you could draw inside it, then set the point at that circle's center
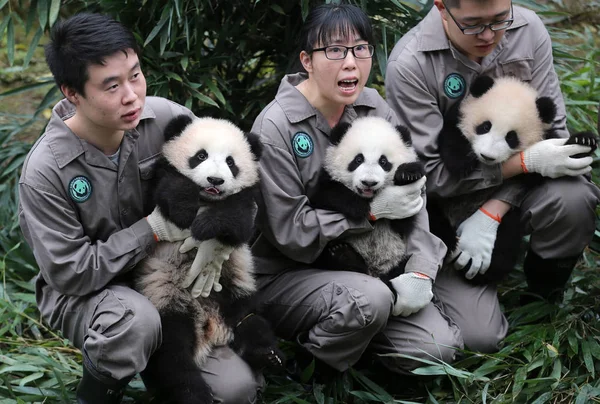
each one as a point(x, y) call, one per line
point(520, 69)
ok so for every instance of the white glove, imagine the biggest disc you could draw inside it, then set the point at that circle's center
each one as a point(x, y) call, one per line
point(476, 238)
point(165, 230)
point(398, 201)
point(413, 293)
point(205, 271)
point(552, 158)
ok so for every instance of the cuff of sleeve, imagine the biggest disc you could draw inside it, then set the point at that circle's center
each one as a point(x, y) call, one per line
point(144, 234)
point(423, 266)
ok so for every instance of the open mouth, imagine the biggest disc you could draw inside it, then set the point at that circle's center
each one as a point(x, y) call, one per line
point(212, 191)
point(366, 192)
point(348, 86)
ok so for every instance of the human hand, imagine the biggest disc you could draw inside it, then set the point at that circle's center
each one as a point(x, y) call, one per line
point(476, 238)
point(413, 292)
point(552, 158)
point(163, 229)
point(205, 271)
point(398, 201)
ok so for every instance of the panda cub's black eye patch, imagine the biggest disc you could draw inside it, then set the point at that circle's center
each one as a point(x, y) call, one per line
point(356, 162)
point(483, 128)
point(512, 139)
point(198, 158)
point(384, 163)
point(235, 170)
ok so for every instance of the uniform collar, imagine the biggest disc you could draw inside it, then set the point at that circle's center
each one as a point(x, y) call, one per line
point(433, 37)
point(64, 144)
point(297, 108)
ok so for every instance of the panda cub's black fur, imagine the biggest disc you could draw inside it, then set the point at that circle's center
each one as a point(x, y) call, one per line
point(363, 158)
point(500, 117)
point(204, 182)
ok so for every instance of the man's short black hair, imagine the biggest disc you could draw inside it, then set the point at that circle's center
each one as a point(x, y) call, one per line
point(456, 3)
point(83, 40)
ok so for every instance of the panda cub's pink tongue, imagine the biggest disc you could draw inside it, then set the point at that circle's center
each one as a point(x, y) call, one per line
point(212, 190)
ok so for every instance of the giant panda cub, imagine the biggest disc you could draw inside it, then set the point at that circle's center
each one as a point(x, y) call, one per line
point(204, 182)
point(500, 117)
point(363, 158)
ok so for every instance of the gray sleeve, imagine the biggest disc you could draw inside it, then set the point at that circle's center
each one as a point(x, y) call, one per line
point(426, 251)
point(69, 262)
point(417, 108)
point(285, 216)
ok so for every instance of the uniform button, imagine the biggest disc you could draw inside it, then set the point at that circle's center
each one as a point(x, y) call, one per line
point(121, 178)
point(124, 212)
point(338, 290)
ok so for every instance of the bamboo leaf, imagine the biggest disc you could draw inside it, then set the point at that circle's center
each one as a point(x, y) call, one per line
point(10, 42)
point(42, 7)
point(32, 47)
point(54, 9)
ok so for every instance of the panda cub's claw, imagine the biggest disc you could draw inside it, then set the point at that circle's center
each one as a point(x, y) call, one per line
point(584, 139)
point(408, 173)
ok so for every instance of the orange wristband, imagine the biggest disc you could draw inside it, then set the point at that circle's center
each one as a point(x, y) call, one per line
point(372, 217)
point(153, 234)
point(420, 275)
point(523, 166)
point(496, 218)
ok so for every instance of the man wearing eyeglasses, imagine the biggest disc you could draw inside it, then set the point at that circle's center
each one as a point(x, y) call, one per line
point(429, 70)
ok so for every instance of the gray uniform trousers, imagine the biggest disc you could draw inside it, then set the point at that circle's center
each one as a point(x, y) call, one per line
point(560, 216)
point(337, 315)
point(117, 329)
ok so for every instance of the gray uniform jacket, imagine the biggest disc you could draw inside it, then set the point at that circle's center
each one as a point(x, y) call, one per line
point(295, 136)
point(426, 75)
point(83, 216)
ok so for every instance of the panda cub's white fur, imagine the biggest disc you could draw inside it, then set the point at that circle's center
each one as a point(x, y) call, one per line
point(364, 158)
point(510, 105)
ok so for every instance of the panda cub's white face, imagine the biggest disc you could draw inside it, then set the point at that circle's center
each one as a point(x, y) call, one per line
point(503, 121)
point(366, 158)
point(214, 154)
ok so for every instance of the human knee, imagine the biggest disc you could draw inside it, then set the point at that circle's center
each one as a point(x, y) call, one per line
point(573, 202)
point(240, 389)
point(134, 318)
point(366, 304)
point(484, 339)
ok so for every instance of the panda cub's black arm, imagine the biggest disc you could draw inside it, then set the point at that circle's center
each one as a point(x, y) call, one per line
point(176, 196)
point(231, 221)
point(455, 150)
point(331, 195)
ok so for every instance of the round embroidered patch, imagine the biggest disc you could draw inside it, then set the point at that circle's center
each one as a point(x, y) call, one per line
point(80, 189)
point(454, 85)
point(302, 144)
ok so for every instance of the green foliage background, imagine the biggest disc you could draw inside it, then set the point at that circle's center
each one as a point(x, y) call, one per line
point(225, 59)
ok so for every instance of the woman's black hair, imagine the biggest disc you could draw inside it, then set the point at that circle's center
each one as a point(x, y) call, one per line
point(83, 40)
point(326, 22)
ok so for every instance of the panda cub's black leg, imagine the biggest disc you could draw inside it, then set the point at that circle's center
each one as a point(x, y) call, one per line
point(408, 173)
point(172, 374)
point(585, 139)
point(256, 343)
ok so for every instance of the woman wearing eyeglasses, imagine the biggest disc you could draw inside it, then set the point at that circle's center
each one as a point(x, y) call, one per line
point(429, 70)
point(336, 315)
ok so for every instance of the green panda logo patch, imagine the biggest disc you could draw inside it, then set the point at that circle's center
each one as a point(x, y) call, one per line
point(80, 189)
point(302, 144)
point(454, 85)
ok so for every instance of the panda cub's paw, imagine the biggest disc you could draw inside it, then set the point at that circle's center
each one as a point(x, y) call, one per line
point(408, 173)
point(257, 344)
point(585, 139)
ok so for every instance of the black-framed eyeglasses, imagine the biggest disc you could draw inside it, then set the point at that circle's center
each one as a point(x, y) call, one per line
point(478, 29)
point(338, 52)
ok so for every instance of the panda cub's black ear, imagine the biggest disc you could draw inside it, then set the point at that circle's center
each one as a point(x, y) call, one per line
point(338, 131)
point(404, 134)
point(546, 109)
point(256, 146)
point(481, 85)
point(176, 126)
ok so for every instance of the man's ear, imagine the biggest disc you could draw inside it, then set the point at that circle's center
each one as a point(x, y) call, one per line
point(441, 7)
point(306, 61)
point(70, 94)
